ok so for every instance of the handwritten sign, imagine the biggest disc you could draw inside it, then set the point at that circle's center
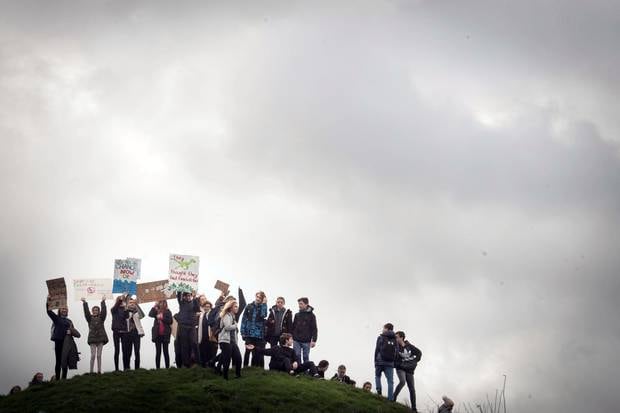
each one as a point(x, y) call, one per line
point(92, 288)
point(154, 291)
point(222, 286)
point(183, 272)
point(126, 274)
point(57, 289)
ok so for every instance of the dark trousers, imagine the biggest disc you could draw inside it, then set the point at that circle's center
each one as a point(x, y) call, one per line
point(116, 338)
point(184, 337)
point(301, 368)
point(159, 346)
point(405, 377)
point(230, 352)
point(208, 349)
point(257, 355)
point(177, 353)
point(273, 341)
point(132, 342)
point(57, 367)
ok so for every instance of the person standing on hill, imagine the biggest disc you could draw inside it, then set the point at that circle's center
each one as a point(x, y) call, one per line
point(385, 354)
point(279, 321)
point(253, 329)
point(134, 334)
point(406, 361)
point(228, 339)
point(188, 307)
point(304, 330)
point(119, 327)
point(206, 346)
point(161, 331)
point(61, 327)
point(97, 337)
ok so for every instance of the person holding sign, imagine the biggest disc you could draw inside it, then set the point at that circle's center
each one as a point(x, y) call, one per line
point(62, 326)
point(188, 307)
point(97, 336)
point(161, 331)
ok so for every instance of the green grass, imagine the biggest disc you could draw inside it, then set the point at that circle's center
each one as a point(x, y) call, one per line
point(195, 390)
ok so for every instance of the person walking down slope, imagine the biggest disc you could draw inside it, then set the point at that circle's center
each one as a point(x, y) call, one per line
point(228, 339)
point(253, 329)
point(406, 361)
point(61, 327)
point(304, 330)
point(385, 354)
point(161, 331)
point(279, 321)
point(97, 336)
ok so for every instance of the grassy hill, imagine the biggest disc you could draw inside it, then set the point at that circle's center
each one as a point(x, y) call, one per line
point(195, 390)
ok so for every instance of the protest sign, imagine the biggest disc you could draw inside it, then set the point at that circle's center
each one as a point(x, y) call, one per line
point(92, 288)
point(154, 291)
point(183, 272)
point(222, 286)
point(126, 274)
point(57, 290)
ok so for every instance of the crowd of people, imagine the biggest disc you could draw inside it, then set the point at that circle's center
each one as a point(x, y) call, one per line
point(201, 328)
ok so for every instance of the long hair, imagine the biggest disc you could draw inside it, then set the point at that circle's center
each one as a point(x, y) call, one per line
point(227, 308)
point(163, 305)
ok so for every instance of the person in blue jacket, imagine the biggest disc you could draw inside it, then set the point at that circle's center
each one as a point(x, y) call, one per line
point(253, 330)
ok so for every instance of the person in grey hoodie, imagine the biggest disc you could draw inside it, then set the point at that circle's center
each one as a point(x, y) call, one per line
point(228, 339)
point(386, 351)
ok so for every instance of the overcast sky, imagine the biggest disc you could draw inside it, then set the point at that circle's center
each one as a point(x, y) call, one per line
point(452, 167)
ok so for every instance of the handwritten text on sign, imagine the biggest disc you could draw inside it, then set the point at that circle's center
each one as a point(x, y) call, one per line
point(183, 272)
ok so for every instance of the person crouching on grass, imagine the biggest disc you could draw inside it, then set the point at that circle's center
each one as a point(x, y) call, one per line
point(284, 358)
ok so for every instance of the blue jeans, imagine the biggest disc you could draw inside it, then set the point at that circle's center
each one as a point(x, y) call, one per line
point(389, 375)
point(302, 348)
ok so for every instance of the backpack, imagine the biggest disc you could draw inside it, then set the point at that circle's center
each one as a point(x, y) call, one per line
point(388, 349)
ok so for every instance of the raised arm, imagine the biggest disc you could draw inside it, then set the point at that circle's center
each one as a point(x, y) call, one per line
point(86, 310)
point(179, 295)
point(104, 310)
point(50, 313)
point(153, 312)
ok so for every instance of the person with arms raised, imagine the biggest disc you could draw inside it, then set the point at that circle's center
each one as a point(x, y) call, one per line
point(97, 336)
point(188, 307)
point(61, 327)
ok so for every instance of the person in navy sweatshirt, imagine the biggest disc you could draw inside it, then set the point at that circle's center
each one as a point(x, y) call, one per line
point(188, 307)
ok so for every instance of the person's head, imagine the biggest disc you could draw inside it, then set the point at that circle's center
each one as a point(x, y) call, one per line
point(448, 402)
point(323, 365)
point(186, 296)
point(132, 304)
point(207, 306)
point(230, 307)
point(37, 378)
point(342, 370)
point(280, 303)
point(388, 327)
point(400, 338)
point(15, 389)
point(259, 297)
point(162, 305)
point(63, 311)
point(303, 303)
point(202, 299)
point(230, 298)
point(96, 310)
point(286, 340)
point(367, 386)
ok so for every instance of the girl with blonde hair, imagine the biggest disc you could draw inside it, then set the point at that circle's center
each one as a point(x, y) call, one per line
point(228, 339)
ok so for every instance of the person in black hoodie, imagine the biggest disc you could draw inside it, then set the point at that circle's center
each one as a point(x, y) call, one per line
point(406, 361)
point(304, 330)
point(283, 358)
point(342, 377)
point(119, 327)
point(134, 334)
point(161, 331)
point(62, 326)
point(188, 307)
point(279, 321)
point(385, 354)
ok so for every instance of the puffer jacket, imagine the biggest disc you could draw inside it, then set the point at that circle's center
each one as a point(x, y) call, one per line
point(304, 326)
point(253, 321)
point(286, 325)
point(96, 327)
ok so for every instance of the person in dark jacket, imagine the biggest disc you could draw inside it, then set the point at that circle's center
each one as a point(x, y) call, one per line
point(37, 379)
point(15, 390)
point(70, 354)
point(385, 354)
point(60, 329)
point(322, 368)
point(97, 336)
point(367, 387)
point(279, 321)
point(447, 405)
point(119, 327)
point(207, 343)
point(253, 329)
point(161, 331)
point(304, 330)
point(284, 358)
point(134, 334)
point(342, 377)
point(406, 361)
point(188, 307)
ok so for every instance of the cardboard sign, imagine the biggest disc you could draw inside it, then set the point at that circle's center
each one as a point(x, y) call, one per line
point(92, 288)
point(154, 291)
point(222, 286)
point(183, 272)
point(126, 275)
point(57, 289)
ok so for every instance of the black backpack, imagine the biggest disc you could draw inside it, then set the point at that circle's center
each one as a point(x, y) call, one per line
point(388, 349)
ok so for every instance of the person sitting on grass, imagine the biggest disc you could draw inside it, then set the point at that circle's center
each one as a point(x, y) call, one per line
point(37, 379)
point(322, 368)
point(15, 389)
point(284, 358)
point(341, 376)
point(367, 387)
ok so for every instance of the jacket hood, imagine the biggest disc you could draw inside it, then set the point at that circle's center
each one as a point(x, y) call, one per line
point(275, 308)
point(307, 310)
